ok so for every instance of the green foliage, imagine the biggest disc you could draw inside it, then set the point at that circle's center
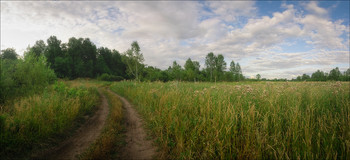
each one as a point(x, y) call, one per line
point(78, 58)
point(176, 72)
point(109, 62)
point(53, 50)
point(38, 49)
point(133, 58)
point(191, 70)
point(24, 76)
point(238, 73)
point(210, 64)
point(107, 77)
point(216, 66)
point(334, 74)
point(33, 73)
point(82, 55)
point(258, 76)
point(154, 74)
point(62, 67)
point(318, 76)
point(9, 53)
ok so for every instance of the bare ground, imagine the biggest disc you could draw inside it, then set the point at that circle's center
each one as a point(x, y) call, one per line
point(137, 146)
point(83, 138)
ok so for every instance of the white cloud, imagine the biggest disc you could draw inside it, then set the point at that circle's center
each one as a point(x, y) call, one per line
point(313, 7)
point(324, 33)
point(231, 12)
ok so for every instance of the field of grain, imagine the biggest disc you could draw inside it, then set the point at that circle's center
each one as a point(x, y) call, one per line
point(260, 120)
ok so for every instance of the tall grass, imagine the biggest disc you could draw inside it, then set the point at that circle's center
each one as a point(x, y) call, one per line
point(245, 120)
point(31, 120)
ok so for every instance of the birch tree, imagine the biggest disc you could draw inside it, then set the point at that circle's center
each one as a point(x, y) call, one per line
point(134, 60)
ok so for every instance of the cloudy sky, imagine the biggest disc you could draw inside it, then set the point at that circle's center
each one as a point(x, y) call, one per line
point(274, 39)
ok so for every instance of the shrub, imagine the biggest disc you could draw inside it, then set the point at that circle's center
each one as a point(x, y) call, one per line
point(107, 77)
point(24, 76)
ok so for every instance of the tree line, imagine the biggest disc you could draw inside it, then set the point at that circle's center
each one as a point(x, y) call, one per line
point(80, 58)
point(333, 75)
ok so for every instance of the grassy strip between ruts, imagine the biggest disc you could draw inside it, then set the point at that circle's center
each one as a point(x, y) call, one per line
point(111, 138)
point(31, 121)
point(307, 120)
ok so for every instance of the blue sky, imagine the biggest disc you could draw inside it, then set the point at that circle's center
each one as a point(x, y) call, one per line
point(277, 39)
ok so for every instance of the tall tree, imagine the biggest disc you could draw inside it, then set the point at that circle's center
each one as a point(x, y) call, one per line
point(239, 75)
point(9, 53)
point(346, 75)
point(88, 58)
point(318, 76)
point(196, 70)
point(210, 62)
point(104, 61)
point(335, 74)
point(233, 69)
point(53, 50)
point(63, 63)
point(117, 67)
point(220, 66)
point(38, 48)
point(258, 76)
point(134, 59)
point(191, 69)
point(154, 74)
point(305, 77)
point(176, 71)
point(74, 53)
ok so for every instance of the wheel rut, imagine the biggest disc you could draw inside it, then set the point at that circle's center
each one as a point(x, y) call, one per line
point(83, 137)
point(137, 144)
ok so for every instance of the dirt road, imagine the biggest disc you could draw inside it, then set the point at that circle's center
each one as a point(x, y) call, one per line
point(83, 138)
point(137, 146)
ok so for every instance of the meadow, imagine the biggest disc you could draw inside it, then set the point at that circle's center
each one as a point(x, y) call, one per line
point(245, 120)
point(28, 123)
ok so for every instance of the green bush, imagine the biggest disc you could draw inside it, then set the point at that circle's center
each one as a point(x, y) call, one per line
point(24, 76)
point(107, 77)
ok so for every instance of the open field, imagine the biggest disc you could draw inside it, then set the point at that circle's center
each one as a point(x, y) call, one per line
point(236, 120)
point(188, 80)
point(281, 120)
